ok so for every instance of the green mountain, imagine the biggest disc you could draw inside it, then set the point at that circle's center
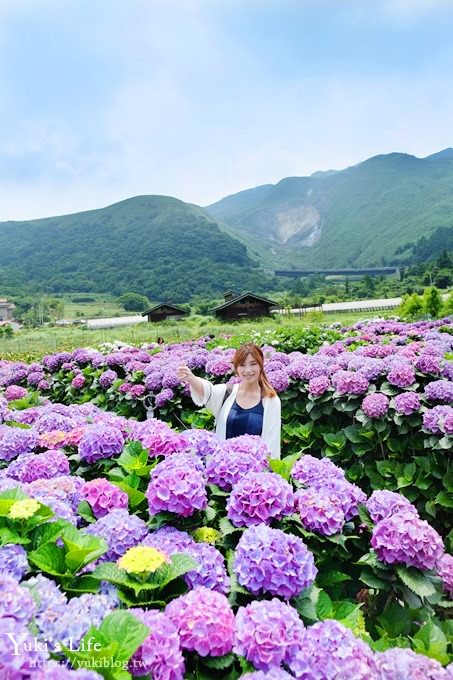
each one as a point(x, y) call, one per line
point(154, 245)
point(388, 209)
point(370, 214)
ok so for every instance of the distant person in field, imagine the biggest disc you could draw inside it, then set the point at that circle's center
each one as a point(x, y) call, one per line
point(249, 407)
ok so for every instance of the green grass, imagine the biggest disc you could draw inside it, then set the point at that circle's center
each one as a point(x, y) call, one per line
point(105, 305)
point(32, 344)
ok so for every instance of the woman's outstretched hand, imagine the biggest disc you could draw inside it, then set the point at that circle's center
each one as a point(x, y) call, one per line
point(184, 374)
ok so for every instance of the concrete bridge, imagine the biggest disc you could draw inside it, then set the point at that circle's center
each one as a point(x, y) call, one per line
point(371, 271)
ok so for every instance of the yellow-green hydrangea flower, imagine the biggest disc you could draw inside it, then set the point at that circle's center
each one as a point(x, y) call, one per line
point(142, 560)
point(206, 535)
point(24, 509)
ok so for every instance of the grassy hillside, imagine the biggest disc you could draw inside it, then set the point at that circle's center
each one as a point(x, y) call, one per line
point(155, 245)
point(356, 217)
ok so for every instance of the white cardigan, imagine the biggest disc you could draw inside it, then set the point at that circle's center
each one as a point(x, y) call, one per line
point(213, 398)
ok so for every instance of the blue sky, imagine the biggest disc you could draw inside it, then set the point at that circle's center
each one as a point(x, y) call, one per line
point(101, 100)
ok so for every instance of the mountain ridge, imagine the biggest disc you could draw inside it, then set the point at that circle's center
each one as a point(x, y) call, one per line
point(358, 216)
point(369, 214)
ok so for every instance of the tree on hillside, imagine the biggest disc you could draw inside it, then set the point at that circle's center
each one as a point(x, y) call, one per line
point(443, 278)
point(432, 302)
point(448, 306)
point(134, 302)
point(411, 306)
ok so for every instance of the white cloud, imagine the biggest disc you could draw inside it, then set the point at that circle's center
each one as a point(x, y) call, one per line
point(187, 111)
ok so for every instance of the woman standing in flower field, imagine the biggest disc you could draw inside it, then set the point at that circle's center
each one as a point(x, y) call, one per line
point(248, 407)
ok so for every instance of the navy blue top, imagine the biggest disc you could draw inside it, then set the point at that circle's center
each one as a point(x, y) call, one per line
point(244, 420)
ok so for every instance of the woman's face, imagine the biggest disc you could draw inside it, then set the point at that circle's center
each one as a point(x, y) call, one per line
point(249, 371)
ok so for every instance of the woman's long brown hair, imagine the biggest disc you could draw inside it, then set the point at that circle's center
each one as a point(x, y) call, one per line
point(241, 355)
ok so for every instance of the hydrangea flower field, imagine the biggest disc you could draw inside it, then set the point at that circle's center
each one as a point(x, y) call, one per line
point(135, 543)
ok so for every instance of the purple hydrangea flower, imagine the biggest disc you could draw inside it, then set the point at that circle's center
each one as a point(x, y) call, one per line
point(3, 409)
point(66, 489)
point(159, 656)
point(13, 560)
point(440, 390)
point(54, 361)
point(429, 363)
point(107, 378)
point(202, 442)
point(34, 377)
point(15, 666)
point(320, 511)
point(371, 368)
point(331, 651)
point(121, 531)
point(349, 495)
point(218, 366)
point(61, 509)
point(260, 497)
point(382, 504)
point(153, 381)
point(204, 620)
point(100, 441)
point(16, 441)
point(170, 540)
point(268, 634)
point(270, 561)
point(76, 616)
point(170, 379)
point(157, 437)
point(103, 497)
point(211, 571)
point(445, 571)
point(349, 382)
point(163, 397)
point(407, 403)
point(399, 663)
point(447, 370)
point(15, 601)
point(308, 470)
point(272, 674)
point(437, 420)
point(14, 392)
point(198, 359)
point(375, 405)
point(78, 381)
point(137, 391)
point(318, 386)
point(405, 539)
point(279, 380)
point(30, 467)
point(52, 420)
point(401, 374)
point(125, 387)
point(176, 486)
point(28, 416)
point(50, 604)
point(237, 457)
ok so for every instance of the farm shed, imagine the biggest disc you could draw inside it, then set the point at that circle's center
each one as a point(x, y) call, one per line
point(165, 311)
point(243, 306)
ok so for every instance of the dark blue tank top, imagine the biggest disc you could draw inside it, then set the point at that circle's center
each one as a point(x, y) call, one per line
point(244, 420)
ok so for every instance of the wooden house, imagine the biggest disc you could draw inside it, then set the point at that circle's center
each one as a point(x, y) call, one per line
point(243, 306)
point(165, 311)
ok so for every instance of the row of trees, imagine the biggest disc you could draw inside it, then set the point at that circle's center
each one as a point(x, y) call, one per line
point(430, 304)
